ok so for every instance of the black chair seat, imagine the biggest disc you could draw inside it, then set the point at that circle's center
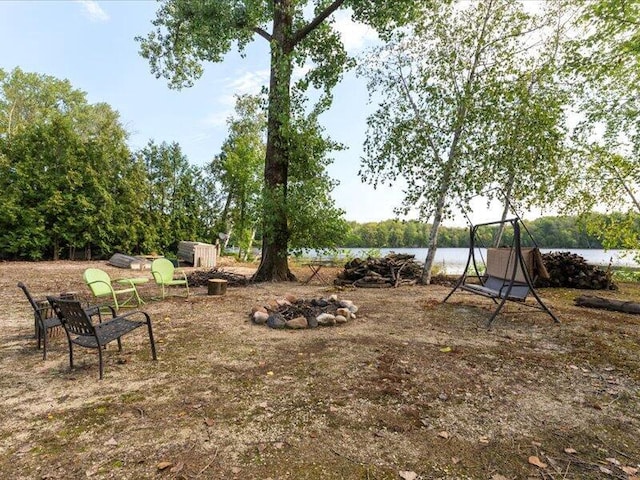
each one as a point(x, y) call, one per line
point(76, 322)
point(107, 331)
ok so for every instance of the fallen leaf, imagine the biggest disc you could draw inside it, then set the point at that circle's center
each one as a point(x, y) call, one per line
point(484, 440)
point(533, 460)
point(613, 461)
point(443, 434)
point(407, 475)
point(536, 444)
point(270, 373)
point(570, 450)
point(164, 465)
point(209, 421)
point(606, 470)
point(445, 349)
point(177, 468)
point(278, 445)
point(455, 460)
point(111, 443)
point(629, 470)
point(497, 476)
point(235, 470)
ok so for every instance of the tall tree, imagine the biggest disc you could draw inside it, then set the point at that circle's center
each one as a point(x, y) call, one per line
point(605, 66)
point(189, 33)
point(443, 83)
point(237, 169)
point(174, 198)
point(59, 159)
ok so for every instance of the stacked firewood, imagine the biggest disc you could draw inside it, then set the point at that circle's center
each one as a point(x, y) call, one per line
point(201, 278)
point(391, 271)
point(572, 271)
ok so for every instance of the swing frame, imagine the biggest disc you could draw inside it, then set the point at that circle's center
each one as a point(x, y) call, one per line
point(511, 286)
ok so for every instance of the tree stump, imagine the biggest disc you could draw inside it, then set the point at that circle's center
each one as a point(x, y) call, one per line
point(217, 286)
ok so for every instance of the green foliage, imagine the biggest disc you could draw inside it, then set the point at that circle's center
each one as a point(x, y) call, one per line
point(174, 201)
point(189, 33)
point(59, 159)
point(238, 170)
point(548, 232)
point(467, 104)
point(604, 63)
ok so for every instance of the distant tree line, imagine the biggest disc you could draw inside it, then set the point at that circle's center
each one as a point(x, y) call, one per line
point(548, 232)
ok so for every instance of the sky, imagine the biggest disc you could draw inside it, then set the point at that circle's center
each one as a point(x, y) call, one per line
point(92, 45)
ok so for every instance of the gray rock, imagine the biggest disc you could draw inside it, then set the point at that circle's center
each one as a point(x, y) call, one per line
point(276, 321)
point(326, 319)
point(312, 322)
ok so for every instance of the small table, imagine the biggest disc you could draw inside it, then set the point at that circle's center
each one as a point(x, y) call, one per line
point(132, 282)
point(315, 268)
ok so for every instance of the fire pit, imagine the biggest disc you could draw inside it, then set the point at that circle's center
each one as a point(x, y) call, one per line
point(298, 313)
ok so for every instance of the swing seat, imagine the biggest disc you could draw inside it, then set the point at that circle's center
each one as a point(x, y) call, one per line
point(500, 267)
point(494, 287)
point(510, 272)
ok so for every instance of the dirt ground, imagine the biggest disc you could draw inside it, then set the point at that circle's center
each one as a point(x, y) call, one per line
point(410, 389)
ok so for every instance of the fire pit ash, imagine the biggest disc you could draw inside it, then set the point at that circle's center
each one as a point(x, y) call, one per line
point(298, 313)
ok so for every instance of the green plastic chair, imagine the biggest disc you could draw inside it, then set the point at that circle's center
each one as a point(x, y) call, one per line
point(163, 272)
point(100, 284)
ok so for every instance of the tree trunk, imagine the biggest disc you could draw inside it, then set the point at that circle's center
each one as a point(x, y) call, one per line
point(505, 210)
point(274, 263)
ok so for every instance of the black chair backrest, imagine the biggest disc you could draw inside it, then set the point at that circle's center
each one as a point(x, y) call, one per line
point(29, 297)
point(73, 317)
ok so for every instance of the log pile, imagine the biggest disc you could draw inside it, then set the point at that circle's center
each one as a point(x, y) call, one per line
point(391, 271)
point(201, 278)
point(572, 271)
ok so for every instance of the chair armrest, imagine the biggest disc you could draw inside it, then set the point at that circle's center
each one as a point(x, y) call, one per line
point(157, 276)
point(128, 314)
point(183, 273)
point(93, 310)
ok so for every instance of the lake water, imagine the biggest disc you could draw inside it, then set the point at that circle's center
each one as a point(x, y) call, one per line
point(453, 260)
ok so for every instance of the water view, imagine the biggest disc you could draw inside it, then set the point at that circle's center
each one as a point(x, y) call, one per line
point(453, 260)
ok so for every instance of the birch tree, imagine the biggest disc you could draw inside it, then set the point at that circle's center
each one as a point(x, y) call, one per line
point(444, 84)
point(605, 65)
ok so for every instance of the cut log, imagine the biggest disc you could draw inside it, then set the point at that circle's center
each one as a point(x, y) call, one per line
point(608, 304)
point(217, 286)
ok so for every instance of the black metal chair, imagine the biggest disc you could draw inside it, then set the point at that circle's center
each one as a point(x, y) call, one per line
point(45, 318)
point(77, 325)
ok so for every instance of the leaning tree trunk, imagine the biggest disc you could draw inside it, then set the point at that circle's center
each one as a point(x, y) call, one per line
point(274, 263)
point(505, 210)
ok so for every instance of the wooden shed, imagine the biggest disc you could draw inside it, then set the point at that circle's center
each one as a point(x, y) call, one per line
point(198, 254)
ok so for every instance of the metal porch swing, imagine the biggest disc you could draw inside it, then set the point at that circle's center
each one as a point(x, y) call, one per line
point(509, 271)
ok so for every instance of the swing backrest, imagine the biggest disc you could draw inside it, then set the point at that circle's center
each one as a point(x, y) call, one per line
point(501, 261)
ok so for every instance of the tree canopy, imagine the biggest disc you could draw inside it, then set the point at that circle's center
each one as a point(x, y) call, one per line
point(299, 33)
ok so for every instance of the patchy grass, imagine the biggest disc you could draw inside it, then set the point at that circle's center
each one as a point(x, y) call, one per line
point(410, 385)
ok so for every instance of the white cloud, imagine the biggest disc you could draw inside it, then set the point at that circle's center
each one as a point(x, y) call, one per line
point(93, 11)
point(355, 36)
point(249, 83)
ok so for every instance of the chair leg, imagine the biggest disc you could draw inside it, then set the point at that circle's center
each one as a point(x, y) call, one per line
point(100, 361)
point(153, 343)
point(119, 344)
point(70, 355)
point(44, 342)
